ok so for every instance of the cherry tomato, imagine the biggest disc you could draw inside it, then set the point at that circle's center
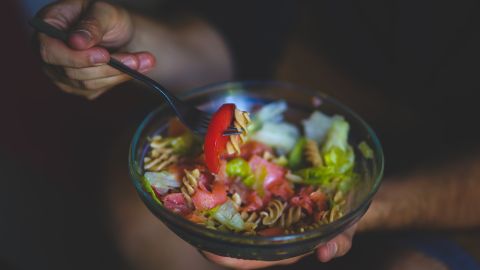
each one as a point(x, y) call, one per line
point(215, 142)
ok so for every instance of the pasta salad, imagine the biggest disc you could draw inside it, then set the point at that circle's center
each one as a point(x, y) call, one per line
point(274, 178)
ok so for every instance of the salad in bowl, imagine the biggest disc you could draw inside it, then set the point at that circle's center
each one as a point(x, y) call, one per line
point(302, 170)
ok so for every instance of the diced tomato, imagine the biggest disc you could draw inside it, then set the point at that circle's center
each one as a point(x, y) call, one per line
point(205, 200)
point(176, 203)
point(253, 202)
point(320, 200)
point(252, 148)
point(281, 189)
point(222, 172)
point(271, 232)
point(196, 218)
point(205, 179)
point(215, 142)
point(274, 181)
point(303, 199)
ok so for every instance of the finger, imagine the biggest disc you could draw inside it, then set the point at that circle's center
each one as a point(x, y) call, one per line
point(336, 247)
point(247, 264)
point(103, 24)
point(138, 61)
point(80, 92)
point(63, 14)
point(78, 87)
point(55, 52)
point(107, 82)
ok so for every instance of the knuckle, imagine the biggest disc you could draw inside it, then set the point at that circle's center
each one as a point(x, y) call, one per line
point(91, 25)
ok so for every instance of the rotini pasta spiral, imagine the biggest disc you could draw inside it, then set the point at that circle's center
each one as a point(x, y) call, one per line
point(291, 216)
point(237, 201)
point(241, 121)
point(273, 212)
point(313, 154)
point(190, 184)
point(251, 220)
point(161, 155)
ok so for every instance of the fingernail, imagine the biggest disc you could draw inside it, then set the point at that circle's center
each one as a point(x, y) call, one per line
point(84, 34)
point(130, 62)
point(146, 62)
point(332, 249)
point(98, 58)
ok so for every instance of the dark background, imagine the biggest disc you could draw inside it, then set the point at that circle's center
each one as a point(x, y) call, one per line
point(409, 67)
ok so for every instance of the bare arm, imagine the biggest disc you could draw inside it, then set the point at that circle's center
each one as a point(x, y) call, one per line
point(189, 53)
point(447, 197)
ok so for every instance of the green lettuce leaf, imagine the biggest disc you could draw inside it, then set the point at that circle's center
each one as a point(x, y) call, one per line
point(365, 149)
point(316, 126)
point(338, 156)
point(146, 186)
point(282, 136)
point(295, 157)
point(162, 181)
point(228, 216)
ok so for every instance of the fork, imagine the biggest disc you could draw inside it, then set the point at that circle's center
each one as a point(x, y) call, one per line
point(195, 119)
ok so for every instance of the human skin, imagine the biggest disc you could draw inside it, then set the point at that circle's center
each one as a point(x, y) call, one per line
point(191, 52)
point(432, 198)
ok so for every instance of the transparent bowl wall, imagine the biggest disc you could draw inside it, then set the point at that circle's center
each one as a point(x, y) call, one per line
point(247, 95)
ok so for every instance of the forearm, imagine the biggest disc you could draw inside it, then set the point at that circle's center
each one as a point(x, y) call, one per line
point(444, 198)
point(189, 54)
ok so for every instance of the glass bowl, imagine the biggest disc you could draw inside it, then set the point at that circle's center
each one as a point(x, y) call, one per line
point(246, 95)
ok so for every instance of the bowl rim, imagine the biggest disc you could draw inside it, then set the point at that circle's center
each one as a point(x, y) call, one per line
point(322, 231)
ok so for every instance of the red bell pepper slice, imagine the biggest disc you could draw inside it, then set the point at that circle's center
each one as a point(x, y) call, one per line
point(215, 142)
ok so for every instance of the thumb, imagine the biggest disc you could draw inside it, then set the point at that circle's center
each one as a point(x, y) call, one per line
point(102, 24)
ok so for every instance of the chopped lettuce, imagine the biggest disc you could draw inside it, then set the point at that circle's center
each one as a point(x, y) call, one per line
point(272, 112)
point(161, 181)
point(282, 136)
point(257, 180)
point(336, 151)
point(295, 157)
point(365, 149)
point(146, 186)
point(316, 126)
point(317, 175)
point(182, 144)
point(238, 167)
point(337, 134)
point(337, 154)
point(228, 216)
point(281, 161)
